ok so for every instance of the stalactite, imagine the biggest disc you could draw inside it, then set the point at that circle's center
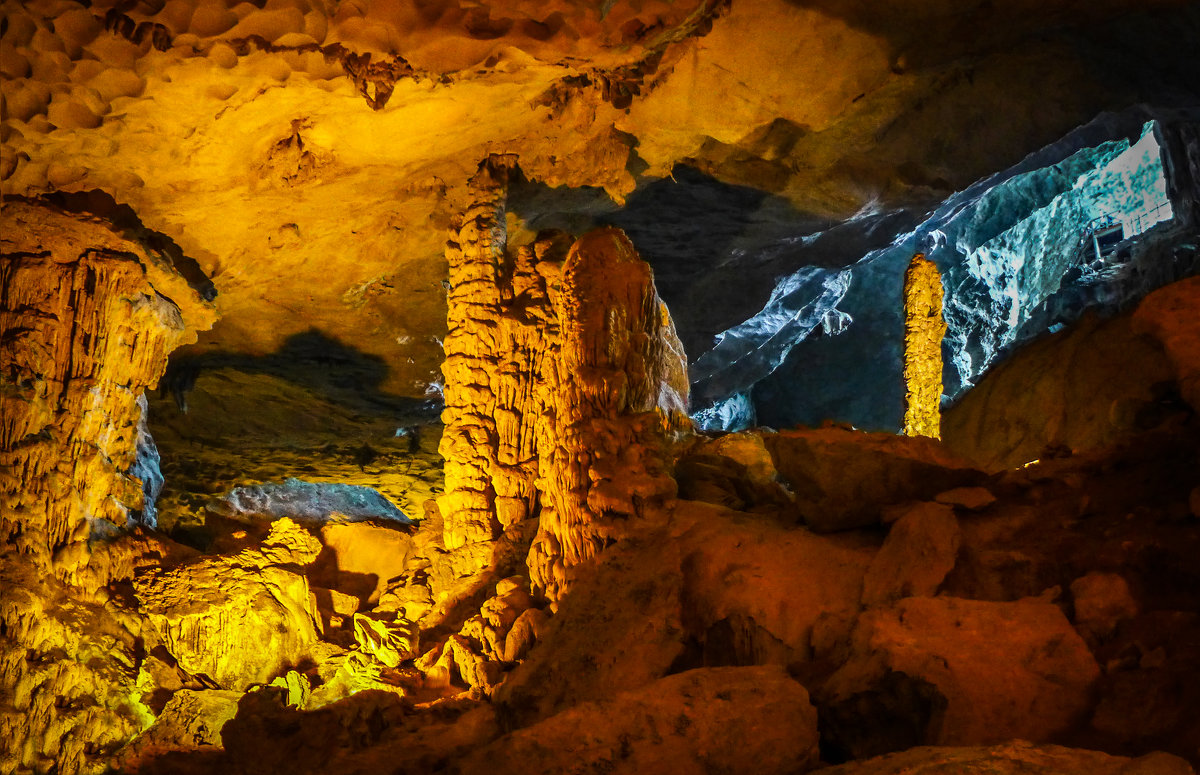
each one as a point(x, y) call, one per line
point(923, 332)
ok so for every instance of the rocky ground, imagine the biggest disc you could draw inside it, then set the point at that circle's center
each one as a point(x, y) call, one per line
point(815, 597)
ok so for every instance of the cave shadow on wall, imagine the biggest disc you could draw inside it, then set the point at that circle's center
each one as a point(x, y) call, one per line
point(311, 360)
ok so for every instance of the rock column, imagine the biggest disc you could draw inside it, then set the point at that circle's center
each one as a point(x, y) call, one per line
point(500, 329)
point(87, 319)
point(560, 378)
point(923, 332)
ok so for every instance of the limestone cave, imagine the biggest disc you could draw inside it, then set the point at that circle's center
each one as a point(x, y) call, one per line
point(600, 386)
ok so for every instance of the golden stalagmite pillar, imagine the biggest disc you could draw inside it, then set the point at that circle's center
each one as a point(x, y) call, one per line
point(923, 332)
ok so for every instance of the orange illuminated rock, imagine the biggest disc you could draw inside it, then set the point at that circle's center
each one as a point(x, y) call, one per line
point(618, 380)
point(920, 549)
point(1102, 601)
point(1015, 758)
point(844, 479)
point(1167, 315)
point(725, 719)
point(974, 673)
point(561, 375)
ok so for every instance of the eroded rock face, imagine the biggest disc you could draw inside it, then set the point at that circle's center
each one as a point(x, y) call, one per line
point(989, 672)
point(89, 318)
point(239, 620)
point(560, 376)
point(708, 720)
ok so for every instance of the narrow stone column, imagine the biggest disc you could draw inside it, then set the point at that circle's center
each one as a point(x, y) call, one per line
point(499, 329)
point(87, 319)
point(923, 332)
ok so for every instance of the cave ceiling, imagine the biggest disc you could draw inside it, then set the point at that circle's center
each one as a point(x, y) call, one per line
point(309, 154)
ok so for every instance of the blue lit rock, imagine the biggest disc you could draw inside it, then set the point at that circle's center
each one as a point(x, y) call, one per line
point(1017, 256)
point(309, 502)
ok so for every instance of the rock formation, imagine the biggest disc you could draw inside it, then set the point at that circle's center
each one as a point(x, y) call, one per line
point(923, 332)
point(89, 317)
point(582, 580)
point(562, 374)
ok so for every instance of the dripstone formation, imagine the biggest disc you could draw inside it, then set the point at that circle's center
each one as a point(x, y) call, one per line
point(923, 332)
point(562, 375)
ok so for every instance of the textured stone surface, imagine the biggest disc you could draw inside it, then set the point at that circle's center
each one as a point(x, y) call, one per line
point(842, 479)
point(238, 620)
point(998, 670)
point(920, 549)
point(561, 372)
point(728, 719)
point(1014, 758)
point(1166, 315)
point(89, 317)
point(923, 332)
point(1081, 389)
point(69, 670)
point(1102, 602)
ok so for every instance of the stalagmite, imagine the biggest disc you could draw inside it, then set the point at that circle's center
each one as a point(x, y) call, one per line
point(554, 372)
point(496, 321)
point(619, 373)
point(923, 332)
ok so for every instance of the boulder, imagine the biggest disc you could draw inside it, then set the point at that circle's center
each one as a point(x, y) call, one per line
point(241, 619)
point(727, 719)
point(920, 549)
point(958, 672)
point(1102, 601)
point(1166, 314)
point(843, 479)
point(969, 498)
point(1015, 758)
point(191, 720)
point(360, 558)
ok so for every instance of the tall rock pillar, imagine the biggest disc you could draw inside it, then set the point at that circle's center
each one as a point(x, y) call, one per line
point(618, 381)
point(87, 319)
point(924, 328)
point(562, 371)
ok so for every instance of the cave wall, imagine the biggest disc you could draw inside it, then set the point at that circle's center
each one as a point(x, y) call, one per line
point(88, 316)
point(88, 319)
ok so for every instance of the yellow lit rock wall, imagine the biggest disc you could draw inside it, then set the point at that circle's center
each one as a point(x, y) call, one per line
point(554, 371)
point(923, 332)
point(88, 319)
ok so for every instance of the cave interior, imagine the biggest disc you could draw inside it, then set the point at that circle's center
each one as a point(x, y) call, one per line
point(636, 386)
